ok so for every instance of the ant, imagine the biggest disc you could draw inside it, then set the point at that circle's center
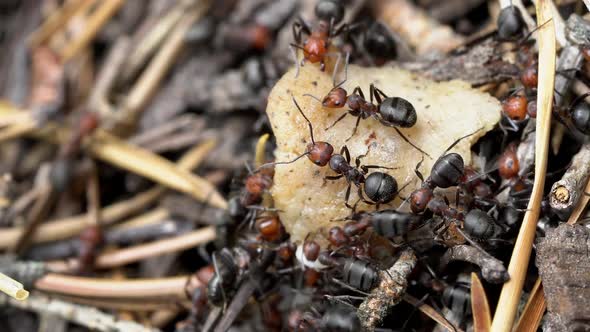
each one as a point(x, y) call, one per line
point(380, 187)
point(387, 223)
point(198, 299)
point(230, 266)
point(315, 47)
point(447, 171)
point(390, 111)
point(356, 273)
point(579, 114)
point(91, 239)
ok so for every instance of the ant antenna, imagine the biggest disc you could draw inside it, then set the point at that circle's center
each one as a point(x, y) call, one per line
point(306, 119)
point(459, 140)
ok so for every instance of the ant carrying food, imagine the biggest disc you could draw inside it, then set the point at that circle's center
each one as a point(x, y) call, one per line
point(379, 187)
point(390, 111)
point(316, 46)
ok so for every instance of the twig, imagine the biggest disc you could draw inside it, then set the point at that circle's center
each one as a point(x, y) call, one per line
point(67, 227)
point(492, 269)
point(156, 248)
point(431, 312)
point(172, 287)
point(389, 292)
point(54, 22)
point(566, 193)
point(83, 315)
point(510, 295)
point(415, 26)
point(93, 25)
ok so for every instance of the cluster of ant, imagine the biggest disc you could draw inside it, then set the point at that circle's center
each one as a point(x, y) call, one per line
point(306, 287)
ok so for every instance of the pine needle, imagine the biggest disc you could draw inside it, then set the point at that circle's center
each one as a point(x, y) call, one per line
point(510, 295)
point(482, 317)
point(533, 311)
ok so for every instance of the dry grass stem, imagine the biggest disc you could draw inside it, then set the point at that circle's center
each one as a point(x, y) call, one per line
point(482, 317)
point(510, 295)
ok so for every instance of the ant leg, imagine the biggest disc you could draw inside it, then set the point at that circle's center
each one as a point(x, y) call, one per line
point(311, 96)
point(337, 120)
point(342, 284)
point(346, 60)
point(294, 53)
point(367, 167)
point(347, 196)
point(417, 171)
point(378, 94)
point(300, 26)
point(344, 151)
point(408, 141)
point(358, 91)
point(358, 120)
point(333, 177)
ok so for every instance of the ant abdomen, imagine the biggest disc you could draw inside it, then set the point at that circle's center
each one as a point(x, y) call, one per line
point(398, 111)
point(479, 224)
point(392, 223)
point(359, 274)
point(380, 187)
point(447, 170)
point(581, 117)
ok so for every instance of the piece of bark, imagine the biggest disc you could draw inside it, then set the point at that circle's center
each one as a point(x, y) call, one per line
point(492, 269)
point(564, 265)
point(478, 65)
point(389, 292)
point(566, 193)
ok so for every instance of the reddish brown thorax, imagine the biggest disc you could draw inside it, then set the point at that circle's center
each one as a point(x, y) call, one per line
point(419, 199)
point(258, 183)
point(508, 165)
point(529, 76)
point(515, 107)
point(336, 98)
point(337, 237)
point(586, 53)
point(315, 48)
point(259, 36)
point(286, 251)
point(320, 153)
point(311, 277)
point(269, 228)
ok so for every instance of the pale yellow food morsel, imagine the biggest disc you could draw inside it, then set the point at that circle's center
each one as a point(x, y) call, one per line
point(445, 110)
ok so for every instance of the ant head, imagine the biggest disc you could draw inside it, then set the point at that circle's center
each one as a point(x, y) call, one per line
point(380, 187)
point(510, 23)
point(269, 228)
point(329, 11)
point(336, 98)
point(311, 249)
point(337, 237)
point(320, 153)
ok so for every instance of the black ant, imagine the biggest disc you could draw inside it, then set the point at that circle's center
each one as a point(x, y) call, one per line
point(390, 111)
point(316, 46)
point(387, 223)
point(510, 23)
point(447, 171)
point(356, 273)
point(230, 266)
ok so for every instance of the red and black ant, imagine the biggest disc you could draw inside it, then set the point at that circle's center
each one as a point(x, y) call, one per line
point(447, 171)
point(316, 46)
point(379, 187)
point(390, 111)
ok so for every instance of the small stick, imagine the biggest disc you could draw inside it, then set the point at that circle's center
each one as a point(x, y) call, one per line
point(89, 317)
point(171, 287)
point(566, 193)
point(12, 288)
point(93, 25)
point(54, 22)
point(388, 293)
point(492, 269)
